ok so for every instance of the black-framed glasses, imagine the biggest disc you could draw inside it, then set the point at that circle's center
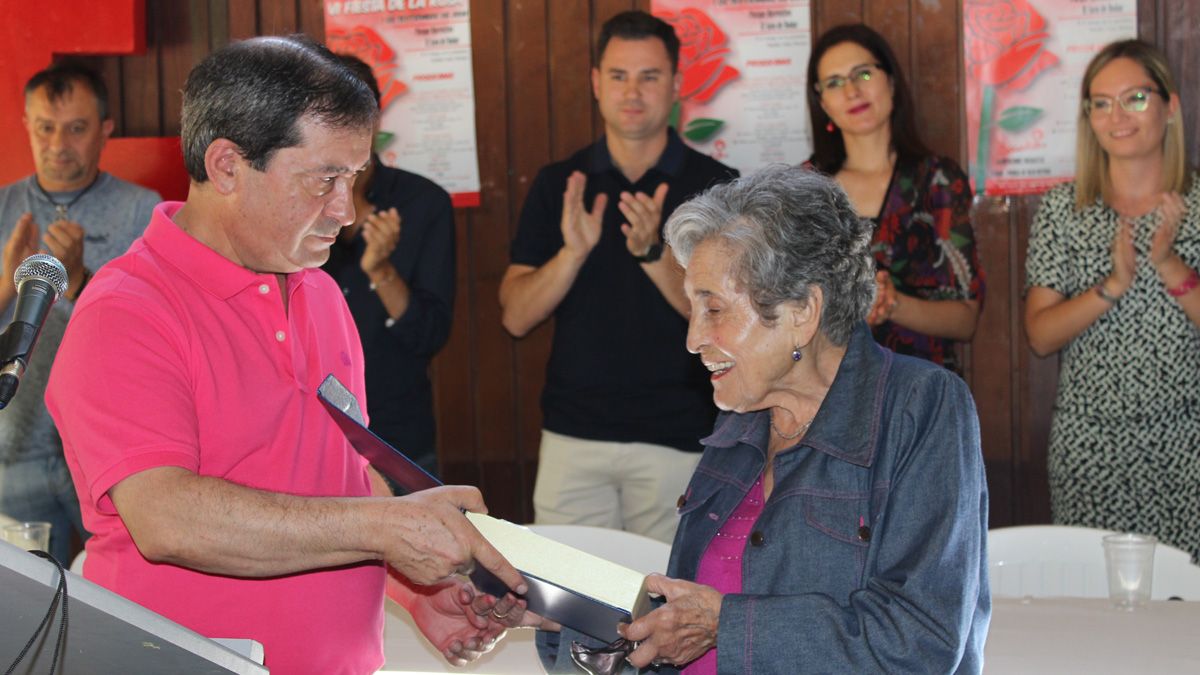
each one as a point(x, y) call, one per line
point(1134, 100)
point(859, 75)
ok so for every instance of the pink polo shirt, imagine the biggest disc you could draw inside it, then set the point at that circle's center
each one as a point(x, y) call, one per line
point(176, 356)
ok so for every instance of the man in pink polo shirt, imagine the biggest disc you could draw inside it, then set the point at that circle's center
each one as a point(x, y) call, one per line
point(219, 491)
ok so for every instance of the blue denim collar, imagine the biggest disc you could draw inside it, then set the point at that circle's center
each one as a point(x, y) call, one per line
point(846, 426)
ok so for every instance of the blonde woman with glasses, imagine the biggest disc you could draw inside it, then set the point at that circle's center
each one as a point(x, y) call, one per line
point(929, 282)
point(1112, 284)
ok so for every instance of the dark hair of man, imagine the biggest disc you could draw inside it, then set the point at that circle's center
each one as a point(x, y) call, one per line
point(255, 92)
point(60, 79)
point(637, 25)
point(364, 73)
point(829, 149)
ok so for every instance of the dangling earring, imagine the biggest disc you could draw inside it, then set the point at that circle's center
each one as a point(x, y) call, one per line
point(830, 128)
point(796, 355)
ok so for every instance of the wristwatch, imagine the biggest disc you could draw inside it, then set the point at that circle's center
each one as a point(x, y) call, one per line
point(652, 254)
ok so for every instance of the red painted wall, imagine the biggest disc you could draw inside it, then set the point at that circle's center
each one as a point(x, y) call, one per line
point(31, 34)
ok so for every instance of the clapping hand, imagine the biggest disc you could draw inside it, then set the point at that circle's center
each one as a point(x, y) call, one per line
point(886, 299)
point(64, 239)
point(1124, 259)
point(580, 227)
point(381, 232)
point(1171, 209)
point(22, 243)
point(643, 215)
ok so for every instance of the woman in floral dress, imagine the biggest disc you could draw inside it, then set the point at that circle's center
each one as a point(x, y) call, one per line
point(929, 283)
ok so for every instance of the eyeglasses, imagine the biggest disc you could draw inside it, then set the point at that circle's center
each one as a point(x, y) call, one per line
point(1134, 100)
point(860, 75)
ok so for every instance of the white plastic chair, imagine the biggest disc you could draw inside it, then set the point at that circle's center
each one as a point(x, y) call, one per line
point(77, 563)
point(1064, 561)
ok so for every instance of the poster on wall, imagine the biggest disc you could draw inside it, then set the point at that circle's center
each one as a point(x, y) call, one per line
point(420, 51)
point(742, 100)
point(1024, 60)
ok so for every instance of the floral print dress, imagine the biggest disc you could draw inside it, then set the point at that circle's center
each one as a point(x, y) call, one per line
point(924, 238)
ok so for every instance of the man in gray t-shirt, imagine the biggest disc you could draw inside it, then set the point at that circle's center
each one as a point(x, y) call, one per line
point(83, 217)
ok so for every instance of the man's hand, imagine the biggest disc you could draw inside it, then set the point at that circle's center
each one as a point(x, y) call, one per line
point(643, 214)
point(580, 227)
point(64, 239)
point(508, 612)
point(381, 232)
point(680, 631)
point(443, 614)
point(22, 243)
point(431, 540)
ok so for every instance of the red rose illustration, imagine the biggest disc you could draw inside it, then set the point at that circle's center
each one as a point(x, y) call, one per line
point(367, 45)
point(702, 54)
point(1006, 43)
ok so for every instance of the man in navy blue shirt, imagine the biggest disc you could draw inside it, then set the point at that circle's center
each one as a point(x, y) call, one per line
point(624, 405)
point(395, 265)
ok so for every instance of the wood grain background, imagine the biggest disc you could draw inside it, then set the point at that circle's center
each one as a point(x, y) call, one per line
point(533, 106)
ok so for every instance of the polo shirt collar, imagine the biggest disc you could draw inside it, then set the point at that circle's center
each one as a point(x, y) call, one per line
point(205, 267)
point(847, 424)
point(669, 163)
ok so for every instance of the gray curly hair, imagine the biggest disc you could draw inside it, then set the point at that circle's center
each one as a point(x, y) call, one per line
point(790, 228)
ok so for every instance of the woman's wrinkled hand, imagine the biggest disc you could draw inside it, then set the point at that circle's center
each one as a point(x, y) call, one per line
point(680, 631)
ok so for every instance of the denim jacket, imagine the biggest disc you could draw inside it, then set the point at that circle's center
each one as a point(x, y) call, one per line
point(870, 554)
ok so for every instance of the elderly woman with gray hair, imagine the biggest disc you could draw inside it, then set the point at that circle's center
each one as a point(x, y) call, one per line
point(837, 521)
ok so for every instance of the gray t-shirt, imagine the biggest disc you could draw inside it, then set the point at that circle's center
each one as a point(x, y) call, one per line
point(113, 213)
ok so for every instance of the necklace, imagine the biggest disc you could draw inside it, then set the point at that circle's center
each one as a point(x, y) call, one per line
point(797, 434)
point(60, 207)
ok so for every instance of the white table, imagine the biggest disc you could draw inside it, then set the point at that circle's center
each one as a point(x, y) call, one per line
point(1086, 635)
point(1043, 635)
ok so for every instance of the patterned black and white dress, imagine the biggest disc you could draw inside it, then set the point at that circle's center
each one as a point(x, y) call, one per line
point(1125, 438)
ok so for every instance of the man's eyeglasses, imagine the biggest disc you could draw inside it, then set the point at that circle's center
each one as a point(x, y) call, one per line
point(858, 76)
point(1134, 100)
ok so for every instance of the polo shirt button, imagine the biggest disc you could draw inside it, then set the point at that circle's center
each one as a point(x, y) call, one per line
point(345, 291)
point(864, 533)
point(264, 289)
point(280, 335)
point(681, 502)
point(757, 538)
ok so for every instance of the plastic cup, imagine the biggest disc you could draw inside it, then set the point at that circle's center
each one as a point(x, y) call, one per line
point(31, 536)
point(1130, 562)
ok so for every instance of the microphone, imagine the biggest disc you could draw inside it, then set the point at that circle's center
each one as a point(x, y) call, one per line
point(40, 279)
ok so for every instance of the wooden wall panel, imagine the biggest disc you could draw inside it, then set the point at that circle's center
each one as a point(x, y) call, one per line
point(532, 60)
point(934, 73)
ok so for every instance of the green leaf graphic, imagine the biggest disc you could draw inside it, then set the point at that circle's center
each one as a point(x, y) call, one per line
point(702, 129)
point(382, 139)
point(1018, 118)
point(676, 112)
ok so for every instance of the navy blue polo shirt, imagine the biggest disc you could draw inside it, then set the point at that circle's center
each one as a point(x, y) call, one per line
point(619, 368)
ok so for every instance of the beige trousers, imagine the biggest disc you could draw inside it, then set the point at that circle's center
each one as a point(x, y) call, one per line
point(623, 486)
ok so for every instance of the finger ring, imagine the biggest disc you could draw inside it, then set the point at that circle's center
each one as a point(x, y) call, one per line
point(498, 616)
